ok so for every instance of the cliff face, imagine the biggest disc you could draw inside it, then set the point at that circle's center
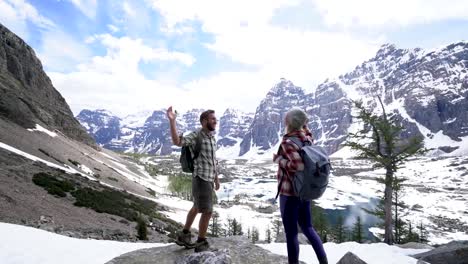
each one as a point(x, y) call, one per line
point(27, 94)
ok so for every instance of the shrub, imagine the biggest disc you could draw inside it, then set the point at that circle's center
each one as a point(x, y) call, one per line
point(74, 162)
point(142, 229)
point(53, 185)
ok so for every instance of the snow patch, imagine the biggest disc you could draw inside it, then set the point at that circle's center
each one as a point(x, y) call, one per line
point(43, 130)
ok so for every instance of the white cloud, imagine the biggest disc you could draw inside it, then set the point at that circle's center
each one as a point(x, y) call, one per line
point(220, 16)
point(390, 13)
point(16, 13)
point(87, 7)
point(243, 31)
point(114, 81)
point(61, 52)
point(113, 28)
point(124, 54)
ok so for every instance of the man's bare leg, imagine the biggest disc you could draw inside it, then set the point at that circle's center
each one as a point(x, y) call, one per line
point(190, 218)
point(203, 224)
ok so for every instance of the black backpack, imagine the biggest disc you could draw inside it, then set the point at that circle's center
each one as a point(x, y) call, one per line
point(186, 159)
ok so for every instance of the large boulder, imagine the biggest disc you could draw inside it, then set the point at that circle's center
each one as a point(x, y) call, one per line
point(350, 258)
point(455, 252)
point(235, 249)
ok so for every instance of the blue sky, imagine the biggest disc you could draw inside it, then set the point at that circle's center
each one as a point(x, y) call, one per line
point(127, 56)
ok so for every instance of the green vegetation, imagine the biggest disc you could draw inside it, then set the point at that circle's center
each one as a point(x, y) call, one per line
point(142, 229)
point(74, 162)
point(113, 179)
point(181, 186)
point(103, 199)
point(380, 141)
point(151, 191)
point(52, 185)
point(113, 202)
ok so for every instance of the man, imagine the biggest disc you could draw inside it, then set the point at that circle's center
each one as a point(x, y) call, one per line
point(203, 177)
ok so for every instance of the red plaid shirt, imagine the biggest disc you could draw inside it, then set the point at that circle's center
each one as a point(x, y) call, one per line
point(290, 160)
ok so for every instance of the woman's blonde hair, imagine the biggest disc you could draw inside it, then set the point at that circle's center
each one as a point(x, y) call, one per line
point(296, 119)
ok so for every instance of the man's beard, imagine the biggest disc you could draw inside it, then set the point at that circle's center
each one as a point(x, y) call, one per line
point(211, 127)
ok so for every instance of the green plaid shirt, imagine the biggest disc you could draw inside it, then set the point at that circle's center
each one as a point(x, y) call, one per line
point(205, 164)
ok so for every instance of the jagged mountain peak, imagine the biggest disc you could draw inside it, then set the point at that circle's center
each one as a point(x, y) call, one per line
point(285, 87)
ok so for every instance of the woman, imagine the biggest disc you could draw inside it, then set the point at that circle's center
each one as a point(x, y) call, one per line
point(293, 209)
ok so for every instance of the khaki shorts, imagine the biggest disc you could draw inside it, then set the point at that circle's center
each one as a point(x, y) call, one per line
point(202, 192)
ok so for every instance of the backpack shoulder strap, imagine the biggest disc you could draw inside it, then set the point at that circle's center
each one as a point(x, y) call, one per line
point(198, 144)
point(296, 141)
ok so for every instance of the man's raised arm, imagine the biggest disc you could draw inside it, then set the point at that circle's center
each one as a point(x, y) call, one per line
point(172, 124)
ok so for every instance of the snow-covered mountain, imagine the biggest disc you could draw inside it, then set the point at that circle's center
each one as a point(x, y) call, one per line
point(148, 132)
point(427, 90)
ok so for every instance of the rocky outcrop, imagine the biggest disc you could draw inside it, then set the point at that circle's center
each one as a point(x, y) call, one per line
point(224, 250)
point(268, 124)
point(27, 94)
point(455, 252)
point(350, 258)
point(426, 90)
point(233, 125)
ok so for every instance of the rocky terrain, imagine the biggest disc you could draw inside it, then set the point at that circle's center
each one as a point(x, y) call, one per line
point(28, 97)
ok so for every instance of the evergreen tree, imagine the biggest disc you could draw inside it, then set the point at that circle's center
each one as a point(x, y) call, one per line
point(229, 227)
point(411, 234)
point(400, 226)
point(268, 235)
point(422, 233)
point(215, 227)
point(277, 225)
point(321, 224)
point(142, 228)
point(255, 235)
point(340, 231)
point(358, 230)
point(380, 142)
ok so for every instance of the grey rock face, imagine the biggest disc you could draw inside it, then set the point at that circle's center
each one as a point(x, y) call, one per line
point(28, 96)
point(455, 252)
point(224, 250)
point(350, 258)
point(268, 122)
point(153, 136)
point(425, 90)
point(102, 125)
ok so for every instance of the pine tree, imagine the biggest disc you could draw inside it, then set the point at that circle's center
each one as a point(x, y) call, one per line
point(215, 226)
point(229, 227)
point(340, 230)
point(422, 233)
point(255, 235)
point(277, 225)
point(268, 235)
point(386, 149)
point(320, 222)
point(400, 226)
point(357, 231)
point(234, 227)
point(142, 229)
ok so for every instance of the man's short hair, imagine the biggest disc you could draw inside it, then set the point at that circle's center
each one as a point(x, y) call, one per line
point(205, 115)
point(296, 118)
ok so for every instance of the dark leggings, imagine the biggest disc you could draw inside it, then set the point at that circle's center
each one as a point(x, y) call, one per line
point(294, 211)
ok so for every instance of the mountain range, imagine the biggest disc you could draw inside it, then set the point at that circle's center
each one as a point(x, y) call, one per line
point(426, 89)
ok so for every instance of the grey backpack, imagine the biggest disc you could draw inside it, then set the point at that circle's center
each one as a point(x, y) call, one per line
point(310, 183)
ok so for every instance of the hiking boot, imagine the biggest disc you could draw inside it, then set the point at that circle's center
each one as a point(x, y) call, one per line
point(184, 240)
point(202, 245)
